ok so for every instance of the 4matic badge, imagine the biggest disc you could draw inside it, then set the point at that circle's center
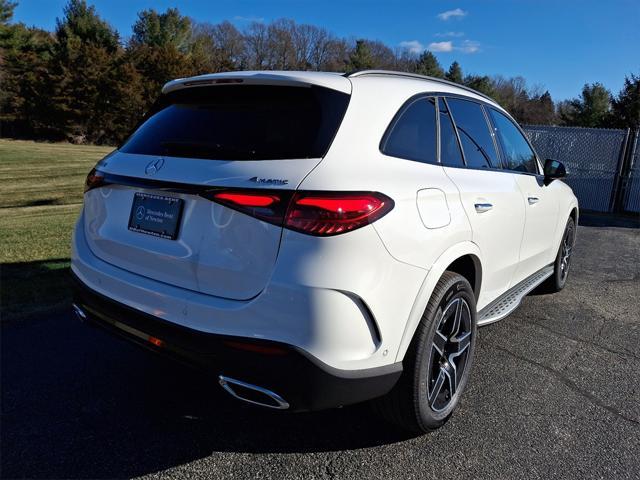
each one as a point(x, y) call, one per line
point(269, 181)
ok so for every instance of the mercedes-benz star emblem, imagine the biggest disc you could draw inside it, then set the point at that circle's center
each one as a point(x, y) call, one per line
point(154, 165)
point(140, 211)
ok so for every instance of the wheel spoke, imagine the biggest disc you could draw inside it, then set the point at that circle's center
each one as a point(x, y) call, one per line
point(451, 374)
point(455, 328)
point(459, 345)
point(437, 387)
point(439, 343)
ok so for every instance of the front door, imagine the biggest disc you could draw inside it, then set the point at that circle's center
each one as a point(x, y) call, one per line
point(540, 201)
point(490, 196)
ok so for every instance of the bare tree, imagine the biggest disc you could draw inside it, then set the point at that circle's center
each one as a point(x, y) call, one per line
point(405, 60)
point(280, 39)
point(382, 56)
point(231, 43)
point(256, 39)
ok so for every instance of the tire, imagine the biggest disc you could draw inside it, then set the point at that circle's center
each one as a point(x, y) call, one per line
point(558, 280)
point(413, 404)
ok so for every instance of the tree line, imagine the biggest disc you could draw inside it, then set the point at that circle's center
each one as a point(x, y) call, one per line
point(84, 83)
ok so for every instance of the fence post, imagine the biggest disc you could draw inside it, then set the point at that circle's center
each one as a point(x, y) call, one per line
point(630, 166)
point(616, 204)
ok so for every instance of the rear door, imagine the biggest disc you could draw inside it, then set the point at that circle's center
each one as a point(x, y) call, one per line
point(153, 215)
point(490, 196)
point(427, 218)
point(540, 201)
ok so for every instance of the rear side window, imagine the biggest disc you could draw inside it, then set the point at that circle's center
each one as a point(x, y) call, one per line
point(475, 136)
point(450, 154)
point(413, 134)
point(241, 122)
point(517, 153)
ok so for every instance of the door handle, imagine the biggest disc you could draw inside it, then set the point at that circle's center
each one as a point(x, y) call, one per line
point(533, 200)
point(483, 207)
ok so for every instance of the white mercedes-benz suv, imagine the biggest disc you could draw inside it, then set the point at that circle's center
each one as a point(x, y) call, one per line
point(314, 240)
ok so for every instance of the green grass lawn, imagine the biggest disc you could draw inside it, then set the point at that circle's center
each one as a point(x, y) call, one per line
point(41, 188)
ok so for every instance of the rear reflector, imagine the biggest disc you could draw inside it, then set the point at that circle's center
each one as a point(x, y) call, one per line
point(312, 213)
point(156, 341)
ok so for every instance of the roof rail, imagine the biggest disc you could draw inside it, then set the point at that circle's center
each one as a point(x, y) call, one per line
point(360, 73)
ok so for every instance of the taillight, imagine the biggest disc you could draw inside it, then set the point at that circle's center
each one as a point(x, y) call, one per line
point(266, 206)
point(95, 179)
point(325, 214)
point(313, 213)
point(247, 199)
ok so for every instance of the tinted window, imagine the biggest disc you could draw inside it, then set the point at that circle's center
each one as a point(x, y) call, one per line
point(475, 136)
point(517, 152)
point(413, 135)
point(241, 122)
point(450, 153)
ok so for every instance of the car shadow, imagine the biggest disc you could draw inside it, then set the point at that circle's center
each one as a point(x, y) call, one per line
point(34, 288)
point(597, 219)
point(79, 403)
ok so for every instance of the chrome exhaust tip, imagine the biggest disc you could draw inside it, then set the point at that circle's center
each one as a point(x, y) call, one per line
point(252, 393)
point(79, 312)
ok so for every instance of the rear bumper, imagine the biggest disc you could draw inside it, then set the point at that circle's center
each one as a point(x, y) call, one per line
point(303, 381)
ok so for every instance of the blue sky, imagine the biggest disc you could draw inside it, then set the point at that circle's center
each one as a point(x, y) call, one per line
point(557, 44)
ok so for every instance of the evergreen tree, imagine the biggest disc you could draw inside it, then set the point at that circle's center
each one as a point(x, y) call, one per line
point(482, 84)
point(592, 109)
point(546, 109)
point(626, 106)
point(360, 58)
point(163, 47)
point(25, 54)
point(427, 64)
point(84, 55)
point(163, 29)
point(537, 110)
point(455, 73)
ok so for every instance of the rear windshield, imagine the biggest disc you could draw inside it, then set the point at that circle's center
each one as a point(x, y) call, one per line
point(241, 122)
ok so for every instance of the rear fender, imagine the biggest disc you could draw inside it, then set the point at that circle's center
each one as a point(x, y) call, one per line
point(424, 294)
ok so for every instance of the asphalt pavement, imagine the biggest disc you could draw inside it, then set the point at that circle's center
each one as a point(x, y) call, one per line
point(555, 393)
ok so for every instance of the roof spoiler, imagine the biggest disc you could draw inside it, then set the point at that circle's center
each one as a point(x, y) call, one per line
point(334, 81)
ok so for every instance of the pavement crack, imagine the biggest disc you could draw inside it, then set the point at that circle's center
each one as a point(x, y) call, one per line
point(571, 385)
point(634, 278)
point(624, 353)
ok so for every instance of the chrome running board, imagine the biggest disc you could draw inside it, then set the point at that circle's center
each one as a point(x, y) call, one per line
point(510, 300)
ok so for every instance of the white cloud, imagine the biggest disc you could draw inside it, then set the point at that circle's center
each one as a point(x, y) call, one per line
point(469, 46)
point(450, 34)
point(465, 46)
point(440, 47)
point(456, 13)
point(413, 46)
point(240, 18)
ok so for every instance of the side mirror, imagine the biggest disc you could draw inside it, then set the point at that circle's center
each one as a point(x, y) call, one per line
point(553, 170)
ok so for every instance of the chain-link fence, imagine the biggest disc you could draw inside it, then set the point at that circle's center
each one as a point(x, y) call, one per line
point(593, 157)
